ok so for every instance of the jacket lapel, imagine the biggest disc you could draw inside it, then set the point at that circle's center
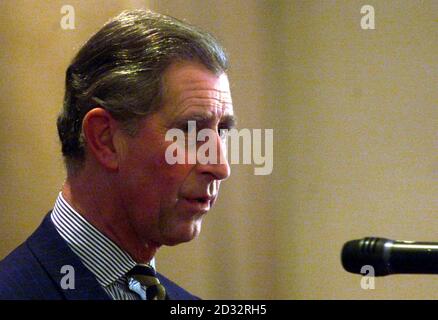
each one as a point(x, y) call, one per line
point(53, 254)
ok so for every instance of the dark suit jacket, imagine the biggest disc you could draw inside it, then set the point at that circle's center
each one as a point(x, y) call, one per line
point(32, 271)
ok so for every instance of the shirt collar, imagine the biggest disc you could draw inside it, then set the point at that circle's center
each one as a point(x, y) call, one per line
point(107, 261)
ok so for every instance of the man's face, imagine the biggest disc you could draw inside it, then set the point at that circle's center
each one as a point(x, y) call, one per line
point(165, 202)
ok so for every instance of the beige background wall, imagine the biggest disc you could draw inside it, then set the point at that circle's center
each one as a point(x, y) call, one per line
point(354, 114)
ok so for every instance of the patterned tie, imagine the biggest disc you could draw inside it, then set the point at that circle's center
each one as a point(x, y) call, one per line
point(147, 277)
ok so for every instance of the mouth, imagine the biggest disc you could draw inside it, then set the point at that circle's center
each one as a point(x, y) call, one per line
point(198, 204)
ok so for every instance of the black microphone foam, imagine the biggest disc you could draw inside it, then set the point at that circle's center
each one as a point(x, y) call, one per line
point(390, 256)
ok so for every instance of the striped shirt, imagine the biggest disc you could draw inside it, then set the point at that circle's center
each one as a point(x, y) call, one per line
point(107, 261)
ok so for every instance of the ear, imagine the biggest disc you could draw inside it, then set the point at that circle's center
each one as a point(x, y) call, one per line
point(99, 129)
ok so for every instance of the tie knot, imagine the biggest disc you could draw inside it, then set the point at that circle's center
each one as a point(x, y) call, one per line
point(142, 270)
point(147, 277)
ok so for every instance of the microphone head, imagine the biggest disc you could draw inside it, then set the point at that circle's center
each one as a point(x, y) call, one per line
point(367, 251)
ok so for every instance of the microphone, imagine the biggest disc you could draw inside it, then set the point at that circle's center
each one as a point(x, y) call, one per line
point(390, 256)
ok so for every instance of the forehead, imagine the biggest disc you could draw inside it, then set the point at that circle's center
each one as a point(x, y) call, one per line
point(191, 86)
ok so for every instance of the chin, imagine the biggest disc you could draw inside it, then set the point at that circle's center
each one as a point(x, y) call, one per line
point(183, 234)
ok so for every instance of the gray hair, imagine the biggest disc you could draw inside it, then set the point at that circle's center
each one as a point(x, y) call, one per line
point(120, 69)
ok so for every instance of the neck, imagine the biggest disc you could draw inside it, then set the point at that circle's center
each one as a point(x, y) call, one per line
point(93, 199)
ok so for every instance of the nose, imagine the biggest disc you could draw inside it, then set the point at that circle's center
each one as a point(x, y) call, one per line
point(218, 165)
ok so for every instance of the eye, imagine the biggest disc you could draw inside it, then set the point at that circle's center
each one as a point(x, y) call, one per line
point(223, 132)
point(188, 126)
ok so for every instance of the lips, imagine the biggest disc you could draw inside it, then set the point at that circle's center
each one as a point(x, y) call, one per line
point(200, 204)
point(201, 199)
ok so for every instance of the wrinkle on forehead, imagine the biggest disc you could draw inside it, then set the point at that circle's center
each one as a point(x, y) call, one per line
point(210, 105)
point(221, 96)
point(193, 86)
point(206, 98)
point(219, 90)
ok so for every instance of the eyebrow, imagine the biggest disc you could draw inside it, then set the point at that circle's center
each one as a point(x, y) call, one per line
point(227, 121)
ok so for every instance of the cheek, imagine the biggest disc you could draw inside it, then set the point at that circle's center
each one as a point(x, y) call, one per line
point(170, 177)
point(148, 170)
